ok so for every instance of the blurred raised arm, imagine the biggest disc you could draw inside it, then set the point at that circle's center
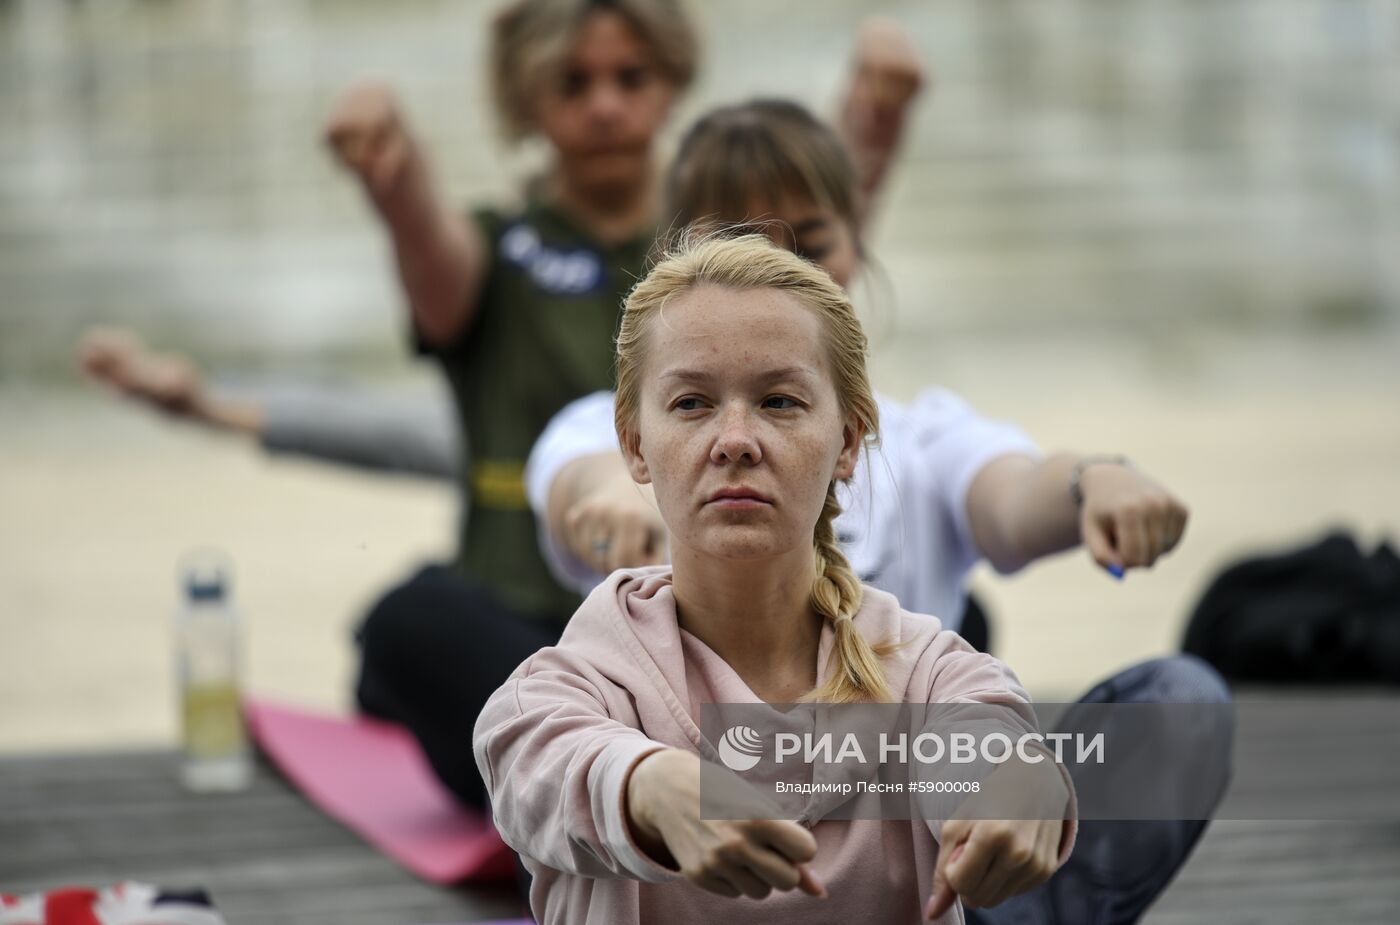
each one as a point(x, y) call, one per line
point(886, 77)
point(442, 257)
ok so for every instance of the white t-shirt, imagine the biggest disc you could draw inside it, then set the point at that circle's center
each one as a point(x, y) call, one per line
point(903, 523)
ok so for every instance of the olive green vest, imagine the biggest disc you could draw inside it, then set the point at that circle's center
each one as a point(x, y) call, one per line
point(542, 336)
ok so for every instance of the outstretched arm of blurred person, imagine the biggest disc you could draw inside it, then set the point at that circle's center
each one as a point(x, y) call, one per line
point(886, 77)
point(1020, 509)
point(441, 255)
point(329, 423)
point(167, 382)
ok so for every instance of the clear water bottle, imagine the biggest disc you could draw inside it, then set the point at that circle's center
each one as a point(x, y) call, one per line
point(215, 744)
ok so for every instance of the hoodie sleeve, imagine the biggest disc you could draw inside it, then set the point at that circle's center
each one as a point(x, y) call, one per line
point(556, 766)
point(961, 674)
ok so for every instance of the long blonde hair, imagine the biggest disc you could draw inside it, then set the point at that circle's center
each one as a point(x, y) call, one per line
point(530, 38)
point(753, 262)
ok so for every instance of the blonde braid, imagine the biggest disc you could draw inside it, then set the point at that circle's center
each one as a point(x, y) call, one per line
point(836, 595)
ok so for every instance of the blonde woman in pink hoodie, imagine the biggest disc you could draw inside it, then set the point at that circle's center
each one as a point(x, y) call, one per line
point(743, 399)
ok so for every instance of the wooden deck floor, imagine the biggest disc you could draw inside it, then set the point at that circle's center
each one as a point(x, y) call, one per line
point(267, 857)
point(1339, 873)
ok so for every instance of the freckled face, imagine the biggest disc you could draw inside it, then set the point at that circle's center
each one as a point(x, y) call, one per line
point(739, 427)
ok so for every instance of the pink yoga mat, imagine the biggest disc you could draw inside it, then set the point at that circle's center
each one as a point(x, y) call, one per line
point(373, 778)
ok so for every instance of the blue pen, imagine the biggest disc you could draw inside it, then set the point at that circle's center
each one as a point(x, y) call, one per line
point(1115, 570)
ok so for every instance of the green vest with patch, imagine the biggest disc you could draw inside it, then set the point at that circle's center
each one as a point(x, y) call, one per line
point(542, 336)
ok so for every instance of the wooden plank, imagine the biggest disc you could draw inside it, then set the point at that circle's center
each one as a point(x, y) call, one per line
point(1287, 872)
point(265, 855)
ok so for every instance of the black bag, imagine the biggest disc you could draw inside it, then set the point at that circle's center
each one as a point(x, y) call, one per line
point(1325, 612)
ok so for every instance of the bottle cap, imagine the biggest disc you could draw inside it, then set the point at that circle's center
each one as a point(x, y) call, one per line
point(204, 587)
point(205, 574)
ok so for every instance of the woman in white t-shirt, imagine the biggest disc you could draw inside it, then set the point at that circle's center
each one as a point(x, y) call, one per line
point(945, 489)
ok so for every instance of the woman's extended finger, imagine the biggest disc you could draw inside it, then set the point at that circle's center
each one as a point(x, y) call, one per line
point(952, 840)
point(809, 883)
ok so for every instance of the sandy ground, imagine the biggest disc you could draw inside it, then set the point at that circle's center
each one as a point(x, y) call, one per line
point(100, 501)
point(1270, 443)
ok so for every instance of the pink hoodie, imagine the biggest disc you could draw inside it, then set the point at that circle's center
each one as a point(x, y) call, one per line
point(557, 741)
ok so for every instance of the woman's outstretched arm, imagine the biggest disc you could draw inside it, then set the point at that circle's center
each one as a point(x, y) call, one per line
point(332, 423)
point(170, 383)
point(442, 257)
point(1020, 824)
point(1021, 509)
point(364, 428)
point(581, 792)
point(556, 767)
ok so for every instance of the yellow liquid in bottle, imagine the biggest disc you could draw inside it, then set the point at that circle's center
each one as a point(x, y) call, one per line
point(213, 725)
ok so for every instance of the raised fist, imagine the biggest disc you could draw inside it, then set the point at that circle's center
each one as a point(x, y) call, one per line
point(368, 134)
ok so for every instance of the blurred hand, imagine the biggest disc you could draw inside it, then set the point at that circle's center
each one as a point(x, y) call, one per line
point(616, 525)
point(368, 135)
point(1128, 520)
point(729, 857)
point(118, 358)
point(888, 75)
point(985, 862)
